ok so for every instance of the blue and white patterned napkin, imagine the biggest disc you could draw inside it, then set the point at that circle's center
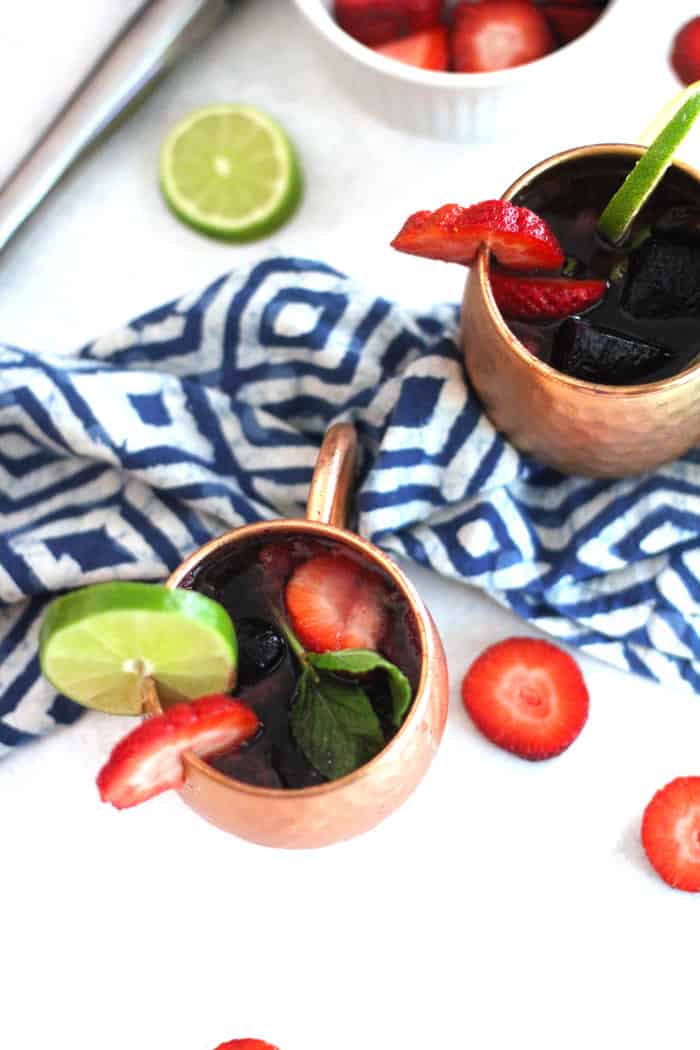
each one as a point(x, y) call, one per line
point(208, 412)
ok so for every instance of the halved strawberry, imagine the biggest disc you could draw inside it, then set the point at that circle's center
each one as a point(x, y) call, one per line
point(671, 833)
point(375, 22)
point(543, 298)
point(149, 760)
point(246, 1044)
point(518, 238)
point(335, 603)
point(498, 34)
point(427, 50)
point(527, 696)
point(570, 22)
point(685, 52)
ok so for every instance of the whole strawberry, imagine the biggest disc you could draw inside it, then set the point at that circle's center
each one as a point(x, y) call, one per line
point(685, 53)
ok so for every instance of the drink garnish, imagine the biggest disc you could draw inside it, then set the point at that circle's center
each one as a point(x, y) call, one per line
point(678, 118)
point(334, 723)
point(230, 171)
point(337, 615)
point(149, 760)
point(98, 644)
point(333, 602)
point(543, 298)
point(518, 238)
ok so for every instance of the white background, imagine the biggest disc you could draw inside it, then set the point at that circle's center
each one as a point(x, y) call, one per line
point(506, 905)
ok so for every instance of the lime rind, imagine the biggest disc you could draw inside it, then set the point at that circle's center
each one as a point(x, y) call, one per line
point(651, 167)
point(96, 645)
point(231, 172)
point(663, 117)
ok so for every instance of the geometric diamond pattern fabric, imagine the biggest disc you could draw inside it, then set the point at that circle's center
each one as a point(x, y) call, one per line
point(208, 413)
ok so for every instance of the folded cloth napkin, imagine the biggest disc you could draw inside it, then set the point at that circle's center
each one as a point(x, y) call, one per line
point(208, 413)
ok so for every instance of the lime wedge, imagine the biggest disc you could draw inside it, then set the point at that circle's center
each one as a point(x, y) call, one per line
point(645, 176)
point(230, 171)
point(97, 644)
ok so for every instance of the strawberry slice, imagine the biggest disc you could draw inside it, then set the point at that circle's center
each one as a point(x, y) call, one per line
point(427, 50)
point(518, 238)
point(685, 53)
point(246, 1044)
point(543, 298)
point(376, 22)
point(498, 34)
point(527, 696)
point(570, 22)
point(149, 760)
point(335, 603)
point(671, 833)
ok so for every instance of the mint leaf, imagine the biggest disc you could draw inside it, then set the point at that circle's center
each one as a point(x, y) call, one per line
point(334, 724)
point(361, 661)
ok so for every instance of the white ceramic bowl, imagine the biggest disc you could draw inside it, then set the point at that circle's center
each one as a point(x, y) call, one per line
point(467, 107)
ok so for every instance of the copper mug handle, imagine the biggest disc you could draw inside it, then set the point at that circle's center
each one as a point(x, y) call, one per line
point(334, 474)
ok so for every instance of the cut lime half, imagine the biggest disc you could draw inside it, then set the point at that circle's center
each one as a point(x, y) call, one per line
point(97, 644)
point(230, 171)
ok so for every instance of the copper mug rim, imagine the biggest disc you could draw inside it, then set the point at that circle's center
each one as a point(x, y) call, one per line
point(519, 349)
point(328, 500)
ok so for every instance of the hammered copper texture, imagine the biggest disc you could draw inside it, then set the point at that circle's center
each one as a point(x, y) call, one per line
point(577, 427)
point(328, 813)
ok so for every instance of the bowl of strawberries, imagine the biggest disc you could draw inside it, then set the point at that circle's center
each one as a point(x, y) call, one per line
point(463, 69)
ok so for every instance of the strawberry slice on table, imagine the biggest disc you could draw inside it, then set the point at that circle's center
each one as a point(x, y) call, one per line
point(335, 603)
point(149, 760)
point(570, 22)
point(375, 22)
point(685, 53)
point(527, 696)
point(427, 50)
point(671, 833)
point(517, 237)
point(246, 1044)
point(498, 34)
point(543, 298)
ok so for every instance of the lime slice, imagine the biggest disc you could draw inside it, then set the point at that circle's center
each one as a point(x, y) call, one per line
point(97, 644)
point(230, 171)
point(651, 167)
point(666, 113)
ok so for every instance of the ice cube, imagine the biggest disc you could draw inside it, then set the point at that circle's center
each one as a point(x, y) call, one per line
point(680, 223)
point(602, 356)
point(663, 279)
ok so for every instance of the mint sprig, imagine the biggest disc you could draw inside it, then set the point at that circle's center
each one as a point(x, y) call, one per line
point(334, 724)
point(362, 661)
point(332, 718)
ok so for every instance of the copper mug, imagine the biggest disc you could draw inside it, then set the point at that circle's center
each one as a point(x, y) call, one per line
point(339, 809)
point(573, 425)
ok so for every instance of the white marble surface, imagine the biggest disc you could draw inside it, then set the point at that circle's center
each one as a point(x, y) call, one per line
point(506, 904)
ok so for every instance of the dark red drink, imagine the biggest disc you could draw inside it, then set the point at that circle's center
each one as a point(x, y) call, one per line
point(647, 325)
point(251, 581)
